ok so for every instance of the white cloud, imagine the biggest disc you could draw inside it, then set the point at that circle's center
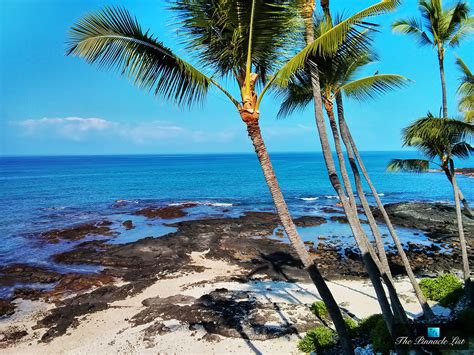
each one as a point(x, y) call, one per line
point(154, 132)
point(148, 132)
point(74, 128)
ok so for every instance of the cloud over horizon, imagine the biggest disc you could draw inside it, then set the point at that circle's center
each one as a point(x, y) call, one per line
point(74, 128)
point(140, 133)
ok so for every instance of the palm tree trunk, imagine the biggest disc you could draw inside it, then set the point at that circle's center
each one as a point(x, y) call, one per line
point(360, 192)
point(462, 239)
point(353, 152)
point(372, 270)
point(325, 6)
point(369, 259)
point(329, 106)
point(254, 133)
point(465, 204)
point(466, 207)
point(443, 80)
point(383, 269)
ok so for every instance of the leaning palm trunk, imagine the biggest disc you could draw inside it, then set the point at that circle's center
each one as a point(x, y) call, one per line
point(345, 177)
point(253, 130)
point(368, 254)
point(353, 152)
point(352, 217)
point(465, 204)
point(462, 239)
point(381, 260)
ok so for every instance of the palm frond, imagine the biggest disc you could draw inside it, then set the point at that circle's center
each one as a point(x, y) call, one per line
point(113, 38)
point(466, 103)
point(469, 116)
point(436, 136)
point(457, 24)
point(219, 31)
point(466, 86)
point(437, 26)
point(330, 39)
point(462, 150)
point(371, 86)
point(463, 68)
point(414, 28)
point(297, 95)
point(408, 165)
point(465, 28)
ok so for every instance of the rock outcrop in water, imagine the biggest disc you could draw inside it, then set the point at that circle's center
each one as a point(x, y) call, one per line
point(79, 232)
point(241, 241)
point(436, 219)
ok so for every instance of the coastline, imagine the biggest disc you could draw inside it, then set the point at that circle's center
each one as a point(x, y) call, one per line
point(136, 325)
point(240, 261)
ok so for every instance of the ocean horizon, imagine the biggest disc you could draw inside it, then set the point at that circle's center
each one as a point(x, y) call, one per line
point(39, 194)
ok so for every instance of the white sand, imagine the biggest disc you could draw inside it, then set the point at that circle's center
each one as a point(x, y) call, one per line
point(110, 332)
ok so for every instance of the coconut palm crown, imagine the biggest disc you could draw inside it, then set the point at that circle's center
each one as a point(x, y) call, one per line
point(240, 39)
point(338, 73)
point(441, 138)
point(440, 28)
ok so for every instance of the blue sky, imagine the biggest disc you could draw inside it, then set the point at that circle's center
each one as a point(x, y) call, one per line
point(51, 104)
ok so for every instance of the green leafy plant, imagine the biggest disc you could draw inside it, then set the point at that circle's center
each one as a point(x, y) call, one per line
point(351, 326)
point(446, 289)
point(375, 327)
point(380, 336)
point(317, 339)
point(319, 309)
point(367, 324)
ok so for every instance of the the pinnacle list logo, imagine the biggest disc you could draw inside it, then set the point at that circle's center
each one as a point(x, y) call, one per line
point(433, 332)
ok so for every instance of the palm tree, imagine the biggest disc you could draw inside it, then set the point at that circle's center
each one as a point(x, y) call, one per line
point(466, 91)
point(440, 28)
point(444, 139)
point(372, 263)
point(337, 77)
point(244, 40)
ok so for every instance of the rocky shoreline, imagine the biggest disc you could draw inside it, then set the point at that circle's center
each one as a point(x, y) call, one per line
point(245, 242)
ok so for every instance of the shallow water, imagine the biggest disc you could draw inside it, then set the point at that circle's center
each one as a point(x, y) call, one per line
point(42, 193)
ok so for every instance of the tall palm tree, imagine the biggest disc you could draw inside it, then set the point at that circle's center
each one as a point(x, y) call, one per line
point(466, 91)
point(440, 28)
point(243, 39)
point(337, 76)
point(372, 263)
point(444, 139)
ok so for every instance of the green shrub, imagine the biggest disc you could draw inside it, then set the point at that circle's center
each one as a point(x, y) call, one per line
point(319, 309)
point(317, 339)
point(445, 289)
point(367, 324)
point(374, 326)
point(351, 325)
point(380, 336)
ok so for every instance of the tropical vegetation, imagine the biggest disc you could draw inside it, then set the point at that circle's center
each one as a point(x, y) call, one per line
point(440, 28)
point(445, 289)
point(465, 91)
point(440, 140)
point(337, 74)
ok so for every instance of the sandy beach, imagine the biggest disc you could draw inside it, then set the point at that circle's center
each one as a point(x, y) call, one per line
point(113, 331)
